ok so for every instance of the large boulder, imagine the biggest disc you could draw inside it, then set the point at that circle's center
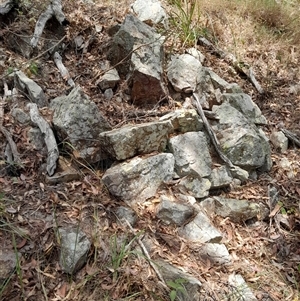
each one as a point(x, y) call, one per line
point(128, 141)
point(78, 122)
point(139, 179)
point(242, 142)
point(143, 66)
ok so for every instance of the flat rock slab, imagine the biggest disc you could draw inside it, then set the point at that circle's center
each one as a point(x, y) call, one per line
point(139, 179)
point(128, 141)
point(200, 230)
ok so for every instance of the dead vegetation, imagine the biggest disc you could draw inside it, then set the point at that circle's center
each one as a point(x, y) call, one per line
point(263, 34)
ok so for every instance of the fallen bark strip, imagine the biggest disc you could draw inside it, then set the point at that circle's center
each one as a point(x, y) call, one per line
point(50, 141)
point(62, 69)
point(236, 171)
point(53, 9)
point(231, 59)
point(291, 136)
point(12, 145)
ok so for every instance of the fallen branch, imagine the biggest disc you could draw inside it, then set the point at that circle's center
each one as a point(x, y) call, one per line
point(148, 256)
point(291, 136)
point(53, 9)
point(62, 69)
point(15, 159)
point(50, 141)
point(236, 171)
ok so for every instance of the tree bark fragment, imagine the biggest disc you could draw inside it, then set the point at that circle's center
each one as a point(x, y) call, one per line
point(50, 141)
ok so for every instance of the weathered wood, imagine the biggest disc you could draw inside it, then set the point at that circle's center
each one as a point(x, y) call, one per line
point(53, 9)
point(15, 158)
point(62, 69)
point(291, 136)
point(50, 141)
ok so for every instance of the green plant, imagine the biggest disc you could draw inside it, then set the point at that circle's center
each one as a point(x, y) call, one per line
point(177, 286)
point(118, 254)
point(183, 19)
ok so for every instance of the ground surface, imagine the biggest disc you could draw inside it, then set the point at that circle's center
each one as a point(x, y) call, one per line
point(265, 253)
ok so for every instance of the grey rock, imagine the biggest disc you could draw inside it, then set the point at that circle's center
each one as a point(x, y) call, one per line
point(190, 285)
point(238, 211)
point(150, 11)
point(196, 54)
point(108, 94)
point(241, 289)
point(139, 179)
point(30, 88)
point(244, 103)
point(128, 141)
point(216, 253)
point(125, 213)
point(78, 121)
point(191, 154)
point(240, 140)
point(196, 187)
point(221, 84)
point(109, 79)
point(200, 230)
point(35, 137)
point(173, 212)
point(74, 249)
point(8, 262)
point(220, 177)
point(280, 141)
point(183, 71)
point(143, 67)
point(184, 120)
point(20, 116)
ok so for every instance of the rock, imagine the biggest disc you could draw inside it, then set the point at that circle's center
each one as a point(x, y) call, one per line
point(64, 173)
point(129, 141)
point(238, 211)
point(173, 213)
point(139, 179)
point(108, 94)
point(78, 121)
point(196, 187)
point(220, 178)
point(109, 79)
point(144, 64)
point(28, 87)
point(19, 115)
point(241, 290)
point(244, 103)
point(150, 11)
point(215, 253)
point(191, 154)
point(183, 71)
point(35, 137)
point(184, 120)
point(74, 249)
point(196, 54)
point(240, 140)
point(280, 141)
point(8, 262)
point(221, 84)
point(173, 275)
point(125, 213)
point(200, 230)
